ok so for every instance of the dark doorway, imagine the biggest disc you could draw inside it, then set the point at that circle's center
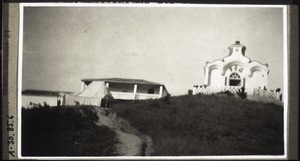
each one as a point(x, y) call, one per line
point(235, 79)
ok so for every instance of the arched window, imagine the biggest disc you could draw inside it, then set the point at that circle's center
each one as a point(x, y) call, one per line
point(235, 79)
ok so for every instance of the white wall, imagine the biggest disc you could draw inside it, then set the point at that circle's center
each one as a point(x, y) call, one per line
point(50, 100)
point(216, 78)
point(257, 80)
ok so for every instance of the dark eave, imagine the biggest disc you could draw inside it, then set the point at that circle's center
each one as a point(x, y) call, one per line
point(122, 80)
point(44, 92)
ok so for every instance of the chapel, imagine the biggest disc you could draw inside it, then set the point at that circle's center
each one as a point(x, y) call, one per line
point(236, 70)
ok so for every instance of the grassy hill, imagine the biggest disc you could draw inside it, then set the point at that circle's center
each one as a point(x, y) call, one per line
point(65, 131)
point(207, 125)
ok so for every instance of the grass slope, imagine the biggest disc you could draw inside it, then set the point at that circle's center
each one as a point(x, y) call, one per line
point(65, 131)
point(207, 125)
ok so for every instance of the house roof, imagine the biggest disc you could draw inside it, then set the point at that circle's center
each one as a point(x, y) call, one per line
point(122, 80)
point(45, 92)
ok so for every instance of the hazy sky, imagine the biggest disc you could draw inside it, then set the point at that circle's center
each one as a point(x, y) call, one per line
point(63, 45)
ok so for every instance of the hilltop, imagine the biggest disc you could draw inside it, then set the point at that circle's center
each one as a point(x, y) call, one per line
point(174, 126)
point(207, 125)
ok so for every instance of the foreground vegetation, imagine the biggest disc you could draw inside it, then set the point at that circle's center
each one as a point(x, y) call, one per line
point(65, 131)
point(207, 125)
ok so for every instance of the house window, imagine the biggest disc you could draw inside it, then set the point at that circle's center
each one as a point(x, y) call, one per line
point(150, 91)
point(235, 80)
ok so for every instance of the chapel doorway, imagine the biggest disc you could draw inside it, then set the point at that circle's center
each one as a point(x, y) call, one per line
point(235, 80)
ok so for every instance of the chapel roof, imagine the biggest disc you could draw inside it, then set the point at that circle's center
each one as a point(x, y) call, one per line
point(236, 57)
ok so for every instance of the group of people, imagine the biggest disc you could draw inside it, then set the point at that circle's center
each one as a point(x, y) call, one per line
point(264, 92)
point(45, 104)
point(35, 105)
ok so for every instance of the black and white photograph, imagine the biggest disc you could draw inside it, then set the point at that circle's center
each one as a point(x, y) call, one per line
point(152, 81)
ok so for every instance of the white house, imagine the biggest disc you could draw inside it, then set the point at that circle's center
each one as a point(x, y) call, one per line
point(130, 89)
point(31, 98)
point(234, 72)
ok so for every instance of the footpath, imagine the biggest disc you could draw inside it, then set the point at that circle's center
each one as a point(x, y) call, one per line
point(130, 141)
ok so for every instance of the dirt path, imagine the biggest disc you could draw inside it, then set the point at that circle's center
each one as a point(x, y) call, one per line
point(130, 141)
point(130, 145)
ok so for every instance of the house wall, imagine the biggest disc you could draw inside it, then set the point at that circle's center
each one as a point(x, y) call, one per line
point(50, 100)
point(164, 93)
point(126, 87)
point(143, 88)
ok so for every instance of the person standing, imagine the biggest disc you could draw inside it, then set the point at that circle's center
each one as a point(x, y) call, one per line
point(107, 107)
point(58, 103)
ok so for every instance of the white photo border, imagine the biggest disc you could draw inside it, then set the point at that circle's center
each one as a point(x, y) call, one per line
point(219, 157)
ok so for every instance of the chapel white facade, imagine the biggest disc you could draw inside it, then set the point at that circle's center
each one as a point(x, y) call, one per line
point(236, 71)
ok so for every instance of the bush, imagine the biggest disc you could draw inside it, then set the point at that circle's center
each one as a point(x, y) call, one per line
point(166, 99)
point(242, 93)
point(67, 131)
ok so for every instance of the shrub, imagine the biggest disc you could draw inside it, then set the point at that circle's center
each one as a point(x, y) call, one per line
point(154, 104)
point(166, 99)
point(225, 93)
point(67, 131)
point(241, 93)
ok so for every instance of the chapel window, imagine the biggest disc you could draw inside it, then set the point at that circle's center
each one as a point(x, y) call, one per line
point(235, 79)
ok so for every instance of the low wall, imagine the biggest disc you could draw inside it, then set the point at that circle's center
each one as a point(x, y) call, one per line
point(250, 91)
